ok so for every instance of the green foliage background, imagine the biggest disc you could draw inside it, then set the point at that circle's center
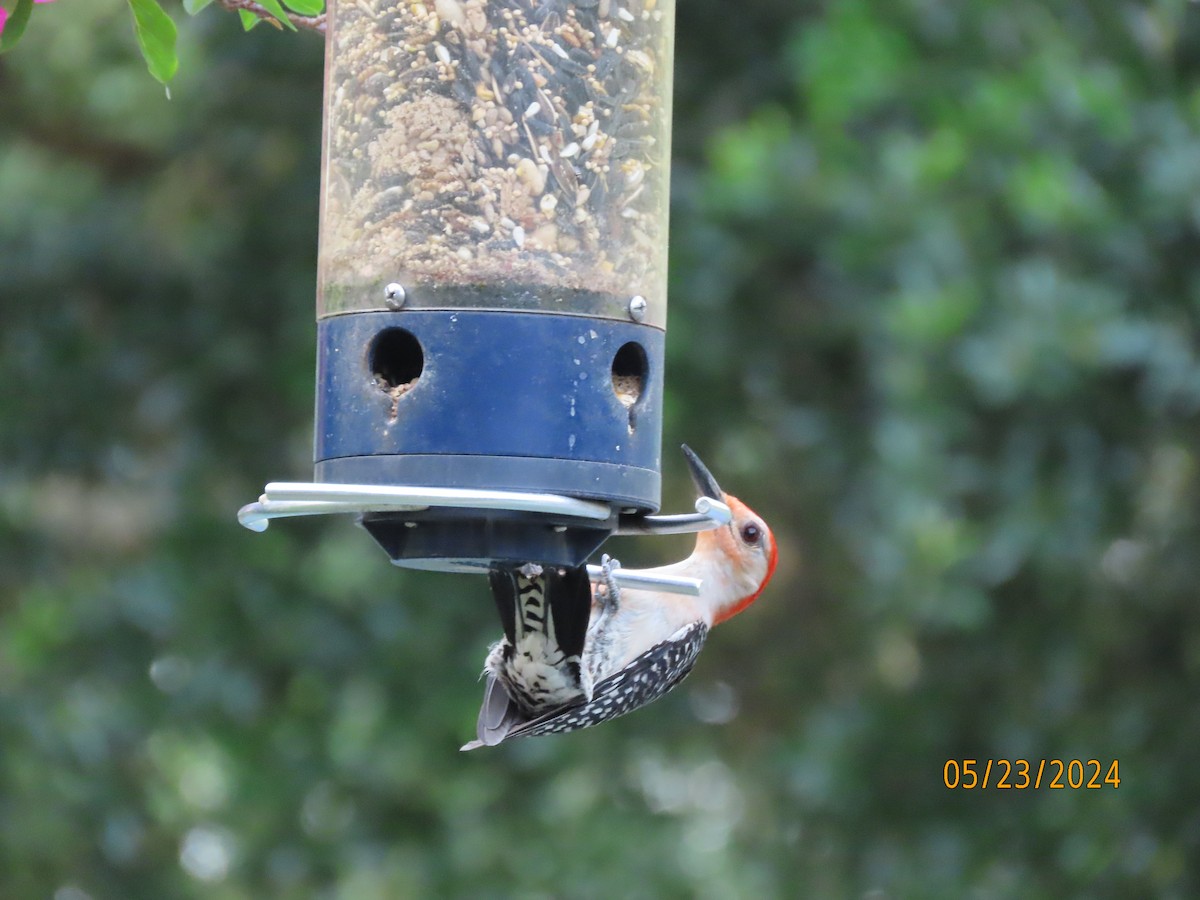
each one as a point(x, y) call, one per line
point(935, 314)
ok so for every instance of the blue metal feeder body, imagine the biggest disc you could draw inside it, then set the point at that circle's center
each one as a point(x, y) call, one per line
point(498, 400)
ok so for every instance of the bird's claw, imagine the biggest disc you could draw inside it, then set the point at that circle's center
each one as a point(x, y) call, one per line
point(607, 591)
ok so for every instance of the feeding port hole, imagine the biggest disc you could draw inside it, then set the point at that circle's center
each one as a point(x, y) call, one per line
point(396, 361)
point(629, 370)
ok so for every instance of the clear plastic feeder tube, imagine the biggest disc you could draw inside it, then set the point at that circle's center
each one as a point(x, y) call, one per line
point(497, 153)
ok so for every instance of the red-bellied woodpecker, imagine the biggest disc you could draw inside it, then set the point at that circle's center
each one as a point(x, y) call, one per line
point(554, 672)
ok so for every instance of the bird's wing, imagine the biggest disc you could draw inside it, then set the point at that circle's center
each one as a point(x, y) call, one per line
point(648, 677)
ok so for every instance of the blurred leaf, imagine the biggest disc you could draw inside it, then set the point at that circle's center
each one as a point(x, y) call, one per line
point(849, 63)
point(932, 316)
point(249, 19)
point(276, 9)
point(156, 37)
point(306, 7)
point(194, 6)
point(14, 27)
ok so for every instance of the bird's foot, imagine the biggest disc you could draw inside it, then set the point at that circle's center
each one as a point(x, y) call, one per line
point(607, 591)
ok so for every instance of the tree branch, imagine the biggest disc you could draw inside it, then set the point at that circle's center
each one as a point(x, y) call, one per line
point(312, 23)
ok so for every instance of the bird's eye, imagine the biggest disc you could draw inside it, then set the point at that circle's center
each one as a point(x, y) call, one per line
point(751, 533)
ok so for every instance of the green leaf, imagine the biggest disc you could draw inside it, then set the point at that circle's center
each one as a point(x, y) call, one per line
point(306, 7)
point(249, 19)
point(156, 36)
point(194, 6)
point(275, 9)
point(15, 26)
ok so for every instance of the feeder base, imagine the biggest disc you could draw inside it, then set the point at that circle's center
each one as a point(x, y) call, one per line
point(452, 539)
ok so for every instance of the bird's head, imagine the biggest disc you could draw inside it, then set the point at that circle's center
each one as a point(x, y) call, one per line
point(741, 556)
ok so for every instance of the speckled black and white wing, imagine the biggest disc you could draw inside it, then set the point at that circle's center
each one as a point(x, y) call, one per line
point(643, 681)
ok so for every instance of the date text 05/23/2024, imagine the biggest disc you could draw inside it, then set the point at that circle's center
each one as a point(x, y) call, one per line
point(1026, 774)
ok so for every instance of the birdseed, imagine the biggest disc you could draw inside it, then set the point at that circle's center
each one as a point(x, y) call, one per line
point(509, 143)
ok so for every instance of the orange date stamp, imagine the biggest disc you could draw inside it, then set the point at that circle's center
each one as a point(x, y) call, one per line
point(1026, 774)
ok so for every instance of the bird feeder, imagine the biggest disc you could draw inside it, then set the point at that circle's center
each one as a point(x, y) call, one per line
point(491, 299)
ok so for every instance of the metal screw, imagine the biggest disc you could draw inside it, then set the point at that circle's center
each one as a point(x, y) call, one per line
point(394, 295)
point(637, 308)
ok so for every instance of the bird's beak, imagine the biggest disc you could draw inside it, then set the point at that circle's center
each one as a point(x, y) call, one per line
point(701, 477)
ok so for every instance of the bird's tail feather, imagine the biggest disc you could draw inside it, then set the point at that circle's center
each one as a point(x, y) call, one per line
point(497, 716)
